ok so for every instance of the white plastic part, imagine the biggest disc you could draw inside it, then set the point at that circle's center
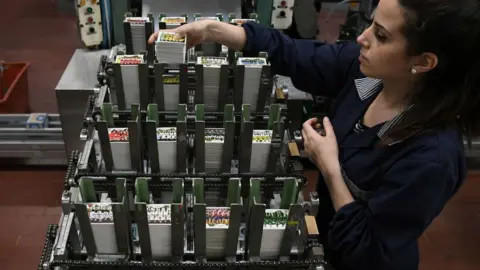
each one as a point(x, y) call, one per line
point(90, 22)
point(282, 13)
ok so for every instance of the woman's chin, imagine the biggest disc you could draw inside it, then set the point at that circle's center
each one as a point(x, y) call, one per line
point(365, 70)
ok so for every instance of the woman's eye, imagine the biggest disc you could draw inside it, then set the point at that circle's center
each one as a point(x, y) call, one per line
point(379, 36)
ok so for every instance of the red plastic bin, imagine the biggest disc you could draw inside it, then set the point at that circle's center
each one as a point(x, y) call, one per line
point(14, 88)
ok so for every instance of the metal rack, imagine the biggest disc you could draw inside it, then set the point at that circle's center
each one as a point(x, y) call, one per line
point(247, 195)
point(93, 178)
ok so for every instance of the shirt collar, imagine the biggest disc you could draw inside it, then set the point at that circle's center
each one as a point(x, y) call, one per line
point(367, 87)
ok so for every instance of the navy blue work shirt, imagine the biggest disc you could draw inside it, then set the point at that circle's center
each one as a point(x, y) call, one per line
point(398, 188)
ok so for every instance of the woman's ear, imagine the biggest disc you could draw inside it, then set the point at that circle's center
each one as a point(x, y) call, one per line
point(425, 62)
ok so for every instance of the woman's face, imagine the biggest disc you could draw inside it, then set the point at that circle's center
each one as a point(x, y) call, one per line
point(383, 53)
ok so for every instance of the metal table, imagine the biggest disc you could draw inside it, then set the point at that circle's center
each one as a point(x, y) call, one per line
point(77, 82)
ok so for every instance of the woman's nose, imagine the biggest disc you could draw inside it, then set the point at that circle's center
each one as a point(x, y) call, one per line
point(363, 41)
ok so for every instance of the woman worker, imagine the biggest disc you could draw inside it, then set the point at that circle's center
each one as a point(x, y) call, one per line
point(392, 155)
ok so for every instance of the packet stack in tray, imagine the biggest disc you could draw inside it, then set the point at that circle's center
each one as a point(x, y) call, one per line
point(252, 79)
point(170, 49)
point(217, 221)
point(137, 28)
point(211, 80)
point(173, 22)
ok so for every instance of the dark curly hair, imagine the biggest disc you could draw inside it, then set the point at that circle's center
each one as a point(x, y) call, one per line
point(449, 95)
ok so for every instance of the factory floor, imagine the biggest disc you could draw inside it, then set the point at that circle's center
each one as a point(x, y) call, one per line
point(35, 31)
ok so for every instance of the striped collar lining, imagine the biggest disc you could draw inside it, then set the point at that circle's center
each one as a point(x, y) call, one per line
point(367, 87)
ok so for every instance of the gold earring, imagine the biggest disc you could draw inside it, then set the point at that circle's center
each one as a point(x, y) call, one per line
point(414, 71)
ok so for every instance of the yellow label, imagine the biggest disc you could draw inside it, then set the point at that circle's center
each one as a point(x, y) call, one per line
point(171, 79)
point(292, 223)
point(173, 20)
point(170, 37)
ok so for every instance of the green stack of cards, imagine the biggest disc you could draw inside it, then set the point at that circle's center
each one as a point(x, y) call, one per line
point(170, 49)
point(273, 228)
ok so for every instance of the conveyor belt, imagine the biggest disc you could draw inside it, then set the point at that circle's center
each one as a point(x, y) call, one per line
point(34, 139)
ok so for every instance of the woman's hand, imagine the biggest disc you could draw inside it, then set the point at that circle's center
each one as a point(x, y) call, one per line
point(322, 148)
point(195, 32)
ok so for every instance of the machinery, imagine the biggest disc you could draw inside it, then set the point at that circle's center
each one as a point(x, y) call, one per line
point(359, 17)
point(100, 21)
point(180, 159)
point(185, 160)
point(32, 139)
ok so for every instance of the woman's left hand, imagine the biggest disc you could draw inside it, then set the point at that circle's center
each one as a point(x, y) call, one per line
point(323, 150)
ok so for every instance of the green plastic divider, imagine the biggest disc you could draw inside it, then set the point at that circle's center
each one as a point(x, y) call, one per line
point(255, 191)
point(141, 189)
point(182, 112)
point(290, 193)
point(200, 112)
point(274, 115)
point(152, 112)
point(87, 190)
point(245, 114)
point(120, 188)
point(228, 113)
point(135, 111)
point(107, 114)
point(233, 194)
point(198, 189)
point(177, 190)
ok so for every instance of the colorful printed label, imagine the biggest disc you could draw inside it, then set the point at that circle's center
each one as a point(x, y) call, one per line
point(129, 59)
point(100, 212)
point(159, 213)
point(137, 20)
point(169, 37)
point(207, 18)
point(167, 134)
point(262, 136)
point(252, 61)
point(276, 218)
point(217, 217)
point(173, 20)
point(240, 22)
point(212, 61)
point(214, 135)
point(171, 79)
point(118, 134)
